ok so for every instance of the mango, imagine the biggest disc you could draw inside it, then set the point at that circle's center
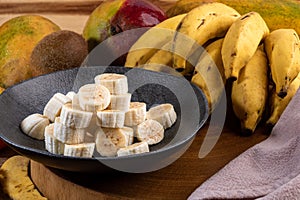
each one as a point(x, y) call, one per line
point(276, 13)
point(18, 37)
point(115, 16)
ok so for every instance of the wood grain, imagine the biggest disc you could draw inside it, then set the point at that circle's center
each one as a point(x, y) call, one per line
point(5, 153)
point(50, 7)
point(63, 7)
point(176, 181)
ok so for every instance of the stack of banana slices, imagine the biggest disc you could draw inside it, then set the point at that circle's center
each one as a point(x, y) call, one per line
point(213, 45)
point(100, 116)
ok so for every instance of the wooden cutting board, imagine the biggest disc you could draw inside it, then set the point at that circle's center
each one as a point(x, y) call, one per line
point(177, 181)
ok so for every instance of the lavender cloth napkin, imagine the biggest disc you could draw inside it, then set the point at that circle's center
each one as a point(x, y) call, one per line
point(268, 170)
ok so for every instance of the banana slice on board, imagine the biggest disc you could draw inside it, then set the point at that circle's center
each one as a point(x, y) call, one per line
point(163, 113)
point(75, 118)
point(110, 140)
point(54, 105)
point(111, 118)
point(136, 148)
point(120, 102)
point(93, 97)
point(68, 135)
point(150, 131)
point(79, 150)
point(115, 83)
point(34, 125)
point(136, 114)
point(52, 144)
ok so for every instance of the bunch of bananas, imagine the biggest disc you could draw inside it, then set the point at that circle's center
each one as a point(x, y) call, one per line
point(213, 45)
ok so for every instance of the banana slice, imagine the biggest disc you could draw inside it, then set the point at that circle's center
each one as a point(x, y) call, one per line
point(71, 94)
point(67, 134)
point(79, 150)
point(136, 148)
point(75, 118)
point(89, 137)
point(34, 125)
point(164, 114)
point(75, 102)
point(111, 118)
point(52, 144)
point(136, 114)
point(110, 140)
point(134, 128)
point(54, 105)
point(150, 131)
point(93, 127)
point(120, 102)
point(115, 83)
point(93, 97)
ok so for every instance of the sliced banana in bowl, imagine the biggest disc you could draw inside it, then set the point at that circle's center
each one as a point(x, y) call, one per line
point(79, 138)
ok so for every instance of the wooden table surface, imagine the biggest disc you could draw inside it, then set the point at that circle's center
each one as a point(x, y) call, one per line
point(176, 181)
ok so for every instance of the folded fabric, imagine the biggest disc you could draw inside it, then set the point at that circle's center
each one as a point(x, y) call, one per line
point(268, 170)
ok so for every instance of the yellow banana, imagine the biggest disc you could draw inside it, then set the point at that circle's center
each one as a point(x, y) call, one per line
point(151, 41)
point(163, 56)
point(250, 91)
point(276, 13)
point(214, 50)
point(201, 24)
point(283, 50)
point(209, 73)
point(162, 61)
point(278, 104)
point(241, 42)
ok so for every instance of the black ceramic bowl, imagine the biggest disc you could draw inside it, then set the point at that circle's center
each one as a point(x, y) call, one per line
point(150, 87)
